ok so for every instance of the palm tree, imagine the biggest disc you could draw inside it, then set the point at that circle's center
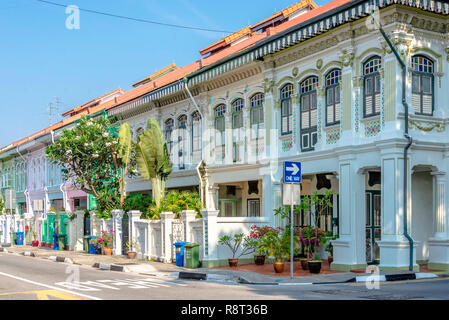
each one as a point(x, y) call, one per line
point(153, 159)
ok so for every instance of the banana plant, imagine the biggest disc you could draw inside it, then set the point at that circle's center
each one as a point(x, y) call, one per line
point(124, 153)
point(153, 159)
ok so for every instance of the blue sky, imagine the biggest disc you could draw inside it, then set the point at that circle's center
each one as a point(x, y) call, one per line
point(40, 59)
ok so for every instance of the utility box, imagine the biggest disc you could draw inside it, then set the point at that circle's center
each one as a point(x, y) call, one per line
point(192, 254)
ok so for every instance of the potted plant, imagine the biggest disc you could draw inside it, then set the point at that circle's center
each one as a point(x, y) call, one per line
point(315, 264)
point(105, 240)
point(234, 243)
point(279, 243)
point(261, 245)
point(133, 247)
point(35, 243)
point(329, 247)
point(312, 238)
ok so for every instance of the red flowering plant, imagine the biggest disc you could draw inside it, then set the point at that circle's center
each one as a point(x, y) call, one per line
point(258, 234)
point(106, 239)
point(311, 238)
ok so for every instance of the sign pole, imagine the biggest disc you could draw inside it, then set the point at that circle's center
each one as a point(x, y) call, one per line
point(291, 233)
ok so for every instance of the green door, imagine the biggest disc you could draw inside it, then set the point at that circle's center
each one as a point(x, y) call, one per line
point(373, 226)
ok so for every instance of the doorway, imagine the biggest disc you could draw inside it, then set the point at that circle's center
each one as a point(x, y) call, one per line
point(373, 226)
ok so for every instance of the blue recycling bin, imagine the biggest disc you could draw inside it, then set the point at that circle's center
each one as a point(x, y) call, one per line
point(55, 242)
point(180, 253)
point(93, 247)
point(19, 238)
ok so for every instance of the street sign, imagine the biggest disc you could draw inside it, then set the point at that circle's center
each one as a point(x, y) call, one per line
point(292, 172)
point(288, 190)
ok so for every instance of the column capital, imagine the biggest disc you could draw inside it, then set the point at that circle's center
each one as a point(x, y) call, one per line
point(210, 213)
point(117, 213)
point(167, 215)
point(438, 173)
point(134, 214)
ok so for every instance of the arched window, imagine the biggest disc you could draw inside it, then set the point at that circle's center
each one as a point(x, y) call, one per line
point(422, 85)
point(333, 79)
point(182, 140)
point(309, 115)
point(220, 126)
point(169, 124)
point(256, 103)
point(237, 113)
point(286, 109)
point(196, 132)
point(371, 96)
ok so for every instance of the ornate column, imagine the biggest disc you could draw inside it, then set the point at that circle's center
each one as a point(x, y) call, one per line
point(439, 243)
point(394, 247)
point(117, 219)
point(210, 234)
point(187, 217)
point(133, 216)
point(348, 116)
point(166, 234)
point(349, 248)
point(77, 241)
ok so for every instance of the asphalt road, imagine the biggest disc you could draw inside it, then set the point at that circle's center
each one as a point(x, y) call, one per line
point(23, 278)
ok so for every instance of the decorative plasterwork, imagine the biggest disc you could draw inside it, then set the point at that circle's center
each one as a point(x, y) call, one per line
point(346, 58)
point(426, 126)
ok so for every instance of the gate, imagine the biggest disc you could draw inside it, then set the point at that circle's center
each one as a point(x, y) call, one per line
point(125, 233)
point(177, 235)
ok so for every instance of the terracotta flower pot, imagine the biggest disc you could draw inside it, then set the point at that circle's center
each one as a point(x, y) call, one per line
point(314, 266)
point(132, 254)
point(259, 260)
point(304, 264)
point(278, 267)
point(330, 259)
point(233, 262)
point(107, 251)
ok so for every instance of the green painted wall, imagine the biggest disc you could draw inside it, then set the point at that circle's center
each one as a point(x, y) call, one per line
point(347, 102)
point(390, 90)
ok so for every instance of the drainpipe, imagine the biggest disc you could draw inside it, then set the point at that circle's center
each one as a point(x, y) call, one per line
point(406, 135)
point(27, 196)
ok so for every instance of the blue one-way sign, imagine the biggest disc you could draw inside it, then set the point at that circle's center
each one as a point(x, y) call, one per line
point(292, 172)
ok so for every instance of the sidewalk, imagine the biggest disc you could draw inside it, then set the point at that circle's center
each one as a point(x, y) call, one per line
point(82, 258)
point(249, 273)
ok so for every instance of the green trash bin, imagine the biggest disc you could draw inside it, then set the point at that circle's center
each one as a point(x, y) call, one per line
point(86, 244)
point(62, 241)
point(192, 255)
point(14, 238)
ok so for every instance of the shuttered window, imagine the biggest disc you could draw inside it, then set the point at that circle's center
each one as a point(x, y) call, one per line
point(371, 105)
point(220, 126)
point(196, 131)
point(309, 113)
point(182, 140)
point(237, 113)
point(422, 85)
point(169, 124)
point(333, 79)
point(286, 109)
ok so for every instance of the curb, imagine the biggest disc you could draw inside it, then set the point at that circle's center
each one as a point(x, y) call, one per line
point(192, 275)
point(110, 267)
point(28, 254)
point(359, 279)
point(60, 259)
point(396, 277)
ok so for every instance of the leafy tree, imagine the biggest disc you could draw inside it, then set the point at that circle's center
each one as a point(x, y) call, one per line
point(125, 152)
point(88, 155)
point(153, 161)
point(176, 202)
point(138, 201)
point(2, 204)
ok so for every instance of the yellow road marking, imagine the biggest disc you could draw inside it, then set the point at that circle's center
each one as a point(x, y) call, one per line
point(399, 282)
point(45, 294)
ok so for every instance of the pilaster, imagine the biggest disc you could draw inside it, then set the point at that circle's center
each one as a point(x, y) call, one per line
point(117, 219)
point(210, 234)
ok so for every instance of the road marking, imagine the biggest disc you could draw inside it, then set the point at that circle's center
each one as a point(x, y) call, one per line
point(98, 285)
point(48, 286)
point(45, 294)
